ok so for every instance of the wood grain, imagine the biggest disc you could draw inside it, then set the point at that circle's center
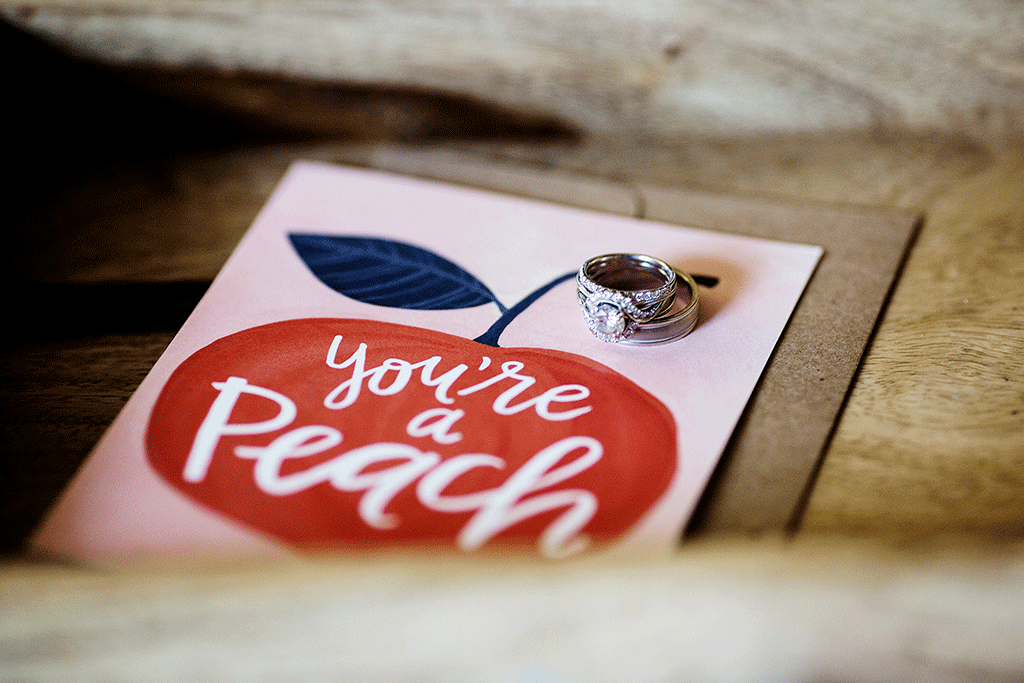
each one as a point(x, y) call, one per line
point(933, 438)
point(58, 395)
point(722, 613)
point(649, 70)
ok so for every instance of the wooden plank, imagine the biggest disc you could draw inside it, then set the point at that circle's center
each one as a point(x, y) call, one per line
point(649, 69)
point(720, 613)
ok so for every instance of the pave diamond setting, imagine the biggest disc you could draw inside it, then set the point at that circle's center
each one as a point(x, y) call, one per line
point(646, 304)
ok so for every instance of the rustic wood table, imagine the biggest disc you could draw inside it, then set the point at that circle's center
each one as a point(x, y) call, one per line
point(907, 563)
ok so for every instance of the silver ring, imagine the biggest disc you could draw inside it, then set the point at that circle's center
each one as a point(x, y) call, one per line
point(618, 292)
point(673, 324)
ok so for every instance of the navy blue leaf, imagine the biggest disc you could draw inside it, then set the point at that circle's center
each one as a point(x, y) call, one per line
point(388, 273)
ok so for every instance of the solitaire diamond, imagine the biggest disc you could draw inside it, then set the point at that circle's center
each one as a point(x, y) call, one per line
point(610, 316)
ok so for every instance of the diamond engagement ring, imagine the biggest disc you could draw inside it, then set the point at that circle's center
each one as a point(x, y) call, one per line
point(621, 293)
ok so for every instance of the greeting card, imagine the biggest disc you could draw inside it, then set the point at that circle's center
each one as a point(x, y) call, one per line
point(391, 362)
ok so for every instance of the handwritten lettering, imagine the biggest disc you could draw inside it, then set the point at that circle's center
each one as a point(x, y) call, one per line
point(215, 425)
point(381, 471)
point(395, 374)
point(436, 423)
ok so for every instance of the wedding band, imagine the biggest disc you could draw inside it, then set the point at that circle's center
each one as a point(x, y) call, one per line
point(647, 281)
point(673, 324)
point(618, 292)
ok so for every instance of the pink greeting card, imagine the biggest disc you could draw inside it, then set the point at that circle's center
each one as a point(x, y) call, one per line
point(391, 362)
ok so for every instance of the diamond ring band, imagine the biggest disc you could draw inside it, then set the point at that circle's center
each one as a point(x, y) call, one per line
point(636, 299)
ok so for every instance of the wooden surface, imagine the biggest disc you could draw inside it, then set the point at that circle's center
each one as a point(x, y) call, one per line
point(933, 436)
point(654, 69)
point(717, 614)
point(915, 107)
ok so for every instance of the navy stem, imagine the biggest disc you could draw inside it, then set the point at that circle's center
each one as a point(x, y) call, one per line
point(490, 337)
